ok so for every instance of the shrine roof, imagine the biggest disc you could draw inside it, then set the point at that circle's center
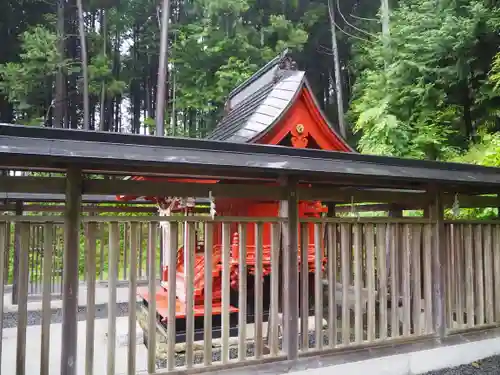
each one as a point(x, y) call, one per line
point(261, 101)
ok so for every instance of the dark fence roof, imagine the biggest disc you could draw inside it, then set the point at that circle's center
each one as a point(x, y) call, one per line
point(45, 148)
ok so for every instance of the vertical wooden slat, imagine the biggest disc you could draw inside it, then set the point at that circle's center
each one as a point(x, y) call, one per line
point(406, 280)
point(304, 286)
point(469, 275)
point(38, 262)
point(113, 256)
point(259, 291)
point(488, 275)
point(370, 280)
point(496, 260)
point(318, 285)
point(54, 260)
point(460, 261)
point(479, 273)
point(31, 258)
point(382, 279)
point(358, 284)
point(242, 292)
point(22, 298)
point(345, 234)
point(207, 326)
point(151, 273)
point(141, 241)
point(226, 243)
point(394, 248)
point(440, 265)
point(189, 247)
point(125, 249)
point(289, 209)
point(428, 278)
point(275, 285)
point(91, 276)
point(85, 250)
point(416, 277)
point(102, 237)
point(132, 301)
point(171, 288)
point(40, 258)
point(450, 273)
point(4, 249)
point(332, 284)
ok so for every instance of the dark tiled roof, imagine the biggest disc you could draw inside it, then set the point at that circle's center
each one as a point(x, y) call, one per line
point(259, 111)
point(238, 116)
point(245, 100)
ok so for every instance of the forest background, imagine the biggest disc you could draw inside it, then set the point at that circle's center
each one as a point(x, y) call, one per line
point(427, 85)
point(417, 78)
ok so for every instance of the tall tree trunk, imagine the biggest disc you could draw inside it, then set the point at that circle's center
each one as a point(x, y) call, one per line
point(83, 47)
point(104, 25)
point(384, 12)
point(135, 85)
point(338, 77)
point(173, 121)
point(71, 119)
point(60, 97)
point(162, 70)
point(470, 130)
point(48, 116)
point(116, 73)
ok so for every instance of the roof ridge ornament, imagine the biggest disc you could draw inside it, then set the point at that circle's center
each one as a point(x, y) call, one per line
point(287, 63)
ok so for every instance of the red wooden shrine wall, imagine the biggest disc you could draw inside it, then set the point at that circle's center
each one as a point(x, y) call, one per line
point(303, 126)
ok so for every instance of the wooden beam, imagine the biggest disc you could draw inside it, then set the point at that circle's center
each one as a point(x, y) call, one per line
point(70, 272)
point(159, 188)
point(94, 209)
point(406, 199)
point(29, 184)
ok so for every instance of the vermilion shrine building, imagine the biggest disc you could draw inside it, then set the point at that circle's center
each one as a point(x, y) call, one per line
point(276, 106)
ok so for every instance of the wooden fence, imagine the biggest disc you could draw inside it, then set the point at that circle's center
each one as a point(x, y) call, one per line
point(372, 282)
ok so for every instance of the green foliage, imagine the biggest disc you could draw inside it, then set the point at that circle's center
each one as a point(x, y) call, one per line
point(418, 96)
point(26, 83)
point(230, 41)
point(100, 73)
point(484, 152)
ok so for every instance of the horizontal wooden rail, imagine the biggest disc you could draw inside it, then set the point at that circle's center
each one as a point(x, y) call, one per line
point(408, 198)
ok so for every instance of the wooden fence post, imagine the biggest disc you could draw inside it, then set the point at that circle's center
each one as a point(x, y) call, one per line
point(70, 271)
point(289, 209)
point(439, 266)
point(17, 251)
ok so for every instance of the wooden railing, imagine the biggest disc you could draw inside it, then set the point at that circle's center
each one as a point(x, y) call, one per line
point(367, 281)
point(378, 283)
point(473, 275)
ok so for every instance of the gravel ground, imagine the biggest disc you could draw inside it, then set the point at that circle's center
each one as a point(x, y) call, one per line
point(488, 366)
point(180, 359)
point(35, 317)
